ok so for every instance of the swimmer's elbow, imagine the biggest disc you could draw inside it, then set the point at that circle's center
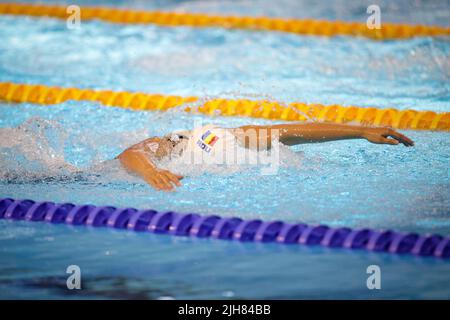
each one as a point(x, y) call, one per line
point(128, 157)
point(124, 157)
point(130, 152)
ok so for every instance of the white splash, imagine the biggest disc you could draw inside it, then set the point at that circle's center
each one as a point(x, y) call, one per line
point(34, 149)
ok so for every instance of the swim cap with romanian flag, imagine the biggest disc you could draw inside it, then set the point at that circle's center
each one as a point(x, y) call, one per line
point(208, 144)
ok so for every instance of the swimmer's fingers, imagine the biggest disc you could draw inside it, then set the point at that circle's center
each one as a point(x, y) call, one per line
point(156, 181)
point(378, 139)
point(388, 141)
point(153, 183)
point(382, 140)
point(399, 137)
point(387, 136)
point(174, 178)
point(178, 176)
point(164, 181)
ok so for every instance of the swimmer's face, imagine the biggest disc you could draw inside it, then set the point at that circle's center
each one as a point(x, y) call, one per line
point(159, 147)
point(165, 147)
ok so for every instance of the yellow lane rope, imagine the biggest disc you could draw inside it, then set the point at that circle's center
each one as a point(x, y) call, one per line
point(401, 119)
point(298, 26)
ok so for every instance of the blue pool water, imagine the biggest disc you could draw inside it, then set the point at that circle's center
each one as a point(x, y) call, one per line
point(62, 153)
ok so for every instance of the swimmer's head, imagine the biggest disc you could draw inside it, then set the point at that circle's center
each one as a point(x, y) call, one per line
point(159, 147)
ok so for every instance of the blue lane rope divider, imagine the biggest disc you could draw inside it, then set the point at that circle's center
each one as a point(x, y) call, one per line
point(212, 226)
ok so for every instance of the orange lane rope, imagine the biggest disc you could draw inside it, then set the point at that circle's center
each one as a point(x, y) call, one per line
point(297, 26)
point(296, 111)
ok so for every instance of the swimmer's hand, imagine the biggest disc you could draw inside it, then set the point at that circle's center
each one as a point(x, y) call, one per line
point(162, 179)
point(138, 160)
point(386, 136)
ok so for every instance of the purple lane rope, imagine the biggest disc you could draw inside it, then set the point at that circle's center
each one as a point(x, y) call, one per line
point(212, 226)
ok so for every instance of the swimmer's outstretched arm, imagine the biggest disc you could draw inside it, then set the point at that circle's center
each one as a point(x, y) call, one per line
point(137, 159)
point(297, 133)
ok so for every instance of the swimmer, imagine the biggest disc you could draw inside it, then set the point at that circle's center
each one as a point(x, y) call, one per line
point(205, 141)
